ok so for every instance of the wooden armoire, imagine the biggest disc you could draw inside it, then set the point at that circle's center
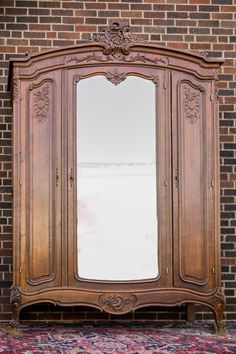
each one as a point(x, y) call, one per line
point(115, 171)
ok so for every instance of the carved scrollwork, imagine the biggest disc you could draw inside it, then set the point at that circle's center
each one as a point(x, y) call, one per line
point(155, 80)
point(87, 59)
point(145, 59)
point(15, 301)
point(41, 104)
point(203, 53)
point(117, 303)
point(76, 79)
point(115, 77)
point(15, 296)
point(116, 40)
point(219, 309)
point(128, 59)
point(219, 295)
point(191, 104)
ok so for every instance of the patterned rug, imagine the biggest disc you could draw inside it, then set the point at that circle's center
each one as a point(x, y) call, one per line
point(126, 339)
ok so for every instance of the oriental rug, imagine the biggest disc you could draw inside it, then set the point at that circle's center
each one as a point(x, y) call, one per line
point(116, 338)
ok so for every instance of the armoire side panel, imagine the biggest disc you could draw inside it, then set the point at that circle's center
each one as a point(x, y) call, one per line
point(40, 176)
point(192, 240)
point(42, 248)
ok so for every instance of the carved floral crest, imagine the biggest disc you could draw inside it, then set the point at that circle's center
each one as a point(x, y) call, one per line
point(41, 104)
point(191, 104)
point(116, 40)
point(118, 303)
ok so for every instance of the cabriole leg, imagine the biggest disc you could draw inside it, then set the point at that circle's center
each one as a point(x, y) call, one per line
point(219, 319)
point(15, 301)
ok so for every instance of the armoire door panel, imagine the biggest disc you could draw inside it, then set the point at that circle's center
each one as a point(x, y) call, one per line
point(191, 171)
point(43, 196)
point(76, 79)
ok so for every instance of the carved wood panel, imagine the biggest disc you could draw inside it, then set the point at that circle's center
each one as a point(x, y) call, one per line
point(116, 76)
point(43, 175)
point(192, 171)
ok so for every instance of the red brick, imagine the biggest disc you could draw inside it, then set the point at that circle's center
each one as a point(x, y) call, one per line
point(39, 27)
point(131, 13)
point(70, 35)
point(199, 2)
point(5, 3)
point(231, 9)
point(95, 5)
point(85, 28)
point(222, 16)
point(7, 49)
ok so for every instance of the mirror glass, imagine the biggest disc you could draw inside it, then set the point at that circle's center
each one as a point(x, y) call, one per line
point(117, 227)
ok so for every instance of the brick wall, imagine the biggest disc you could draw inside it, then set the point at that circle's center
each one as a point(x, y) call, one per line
point(208, 25)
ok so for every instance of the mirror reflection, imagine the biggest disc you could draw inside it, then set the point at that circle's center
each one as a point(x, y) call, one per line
point(116, 179)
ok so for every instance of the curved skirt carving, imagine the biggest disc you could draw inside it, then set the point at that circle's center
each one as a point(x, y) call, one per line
point(121, 302)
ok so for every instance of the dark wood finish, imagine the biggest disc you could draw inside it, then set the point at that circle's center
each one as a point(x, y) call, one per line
point(190, 313)
point(45, 240)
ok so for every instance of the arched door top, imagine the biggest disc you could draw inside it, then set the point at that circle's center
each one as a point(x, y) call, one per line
point(115, 45)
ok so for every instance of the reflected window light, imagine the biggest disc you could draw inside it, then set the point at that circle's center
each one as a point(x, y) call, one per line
point(117, 227)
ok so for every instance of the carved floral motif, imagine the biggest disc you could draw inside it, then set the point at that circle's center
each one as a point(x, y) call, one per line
point(155, 80)
point(191, 104)
point(87, 59)
point(115, 77)
point(118, 303)
point(116, 40)
point(76, 79)
point(41, 104)
point(128, 59)
point(15, 294)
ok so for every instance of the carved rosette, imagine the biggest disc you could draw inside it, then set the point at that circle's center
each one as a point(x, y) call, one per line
point(191, 104)
point(116, 40)
point(41, 104)
point(117, 303)
point(115, 77)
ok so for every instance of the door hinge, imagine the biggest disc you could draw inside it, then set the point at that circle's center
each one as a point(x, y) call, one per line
point(167, 270)
point(164, 85)
point(20, 269)
point(165, 183)
point(213, 270)
point(212, 183)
